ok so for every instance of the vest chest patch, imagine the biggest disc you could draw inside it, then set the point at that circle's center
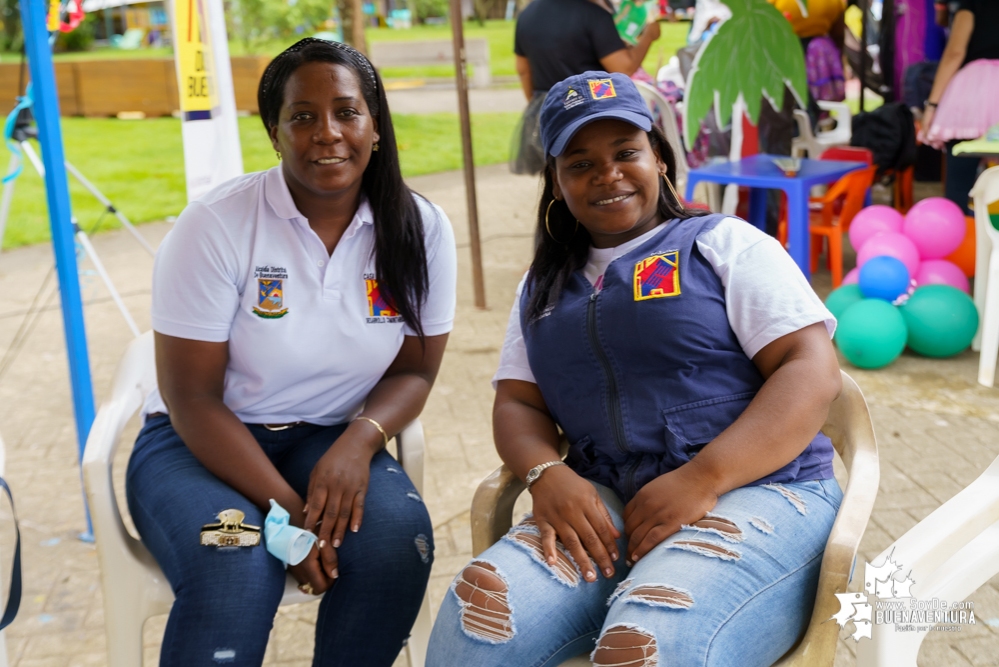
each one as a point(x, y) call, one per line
point(658, 276)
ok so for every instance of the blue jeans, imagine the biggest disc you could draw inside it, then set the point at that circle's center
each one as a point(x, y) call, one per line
point(736, 588)
point(227, 598)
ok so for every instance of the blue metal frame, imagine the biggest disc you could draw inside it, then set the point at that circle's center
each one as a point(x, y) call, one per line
point(36, 42)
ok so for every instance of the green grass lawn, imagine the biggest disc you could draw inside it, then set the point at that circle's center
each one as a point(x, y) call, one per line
point(139, 165)
point(498, 33)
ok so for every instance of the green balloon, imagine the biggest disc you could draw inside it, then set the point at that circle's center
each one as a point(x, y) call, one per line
point(871, 333)
point(941, 319)
point(841, 299)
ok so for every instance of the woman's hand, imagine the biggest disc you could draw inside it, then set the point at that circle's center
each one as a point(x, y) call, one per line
point(678, 498)
point(926, 122)
point(337, 488)
point(568, 508)
point(310, 571)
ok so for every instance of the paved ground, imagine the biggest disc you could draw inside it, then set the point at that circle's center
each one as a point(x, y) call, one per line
point(937, 431)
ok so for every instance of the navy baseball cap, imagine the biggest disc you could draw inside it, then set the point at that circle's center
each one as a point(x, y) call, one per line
point(584, 98)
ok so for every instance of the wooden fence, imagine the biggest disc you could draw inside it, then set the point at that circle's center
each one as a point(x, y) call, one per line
point(101, 88)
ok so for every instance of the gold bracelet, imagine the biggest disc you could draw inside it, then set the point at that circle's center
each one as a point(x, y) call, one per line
point(376, 425)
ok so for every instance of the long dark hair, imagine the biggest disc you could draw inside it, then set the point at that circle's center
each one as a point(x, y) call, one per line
point(400, 252)
point(556, 259)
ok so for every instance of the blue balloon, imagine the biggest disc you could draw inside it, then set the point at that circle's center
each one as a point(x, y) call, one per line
point(883, 278)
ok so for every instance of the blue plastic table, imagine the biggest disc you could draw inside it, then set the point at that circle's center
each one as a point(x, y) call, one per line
point(759, 173)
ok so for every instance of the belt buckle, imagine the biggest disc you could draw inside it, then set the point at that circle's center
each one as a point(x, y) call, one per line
point(230, 531)
point(280, 427)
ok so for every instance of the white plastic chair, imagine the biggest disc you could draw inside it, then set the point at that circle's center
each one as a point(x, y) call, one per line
point(133, 585)
point(811, 145)
point(985, 192)
point(952, 553)
point(658, 103)
point(850, 428)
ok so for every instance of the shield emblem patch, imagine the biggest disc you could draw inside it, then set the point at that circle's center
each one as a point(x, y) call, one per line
point(270, 298)
point(658, 276)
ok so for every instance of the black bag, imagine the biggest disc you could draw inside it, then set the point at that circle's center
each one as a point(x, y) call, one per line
point(889, 133)
point(526, 153)
point(14, 595)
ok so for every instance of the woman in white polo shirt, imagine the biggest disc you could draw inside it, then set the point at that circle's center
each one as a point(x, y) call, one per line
point(301, 314)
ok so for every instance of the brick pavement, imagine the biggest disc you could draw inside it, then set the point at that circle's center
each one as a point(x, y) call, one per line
point(936, 427)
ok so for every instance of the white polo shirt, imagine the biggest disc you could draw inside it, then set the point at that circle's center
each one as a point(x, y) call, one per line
point(309, 335)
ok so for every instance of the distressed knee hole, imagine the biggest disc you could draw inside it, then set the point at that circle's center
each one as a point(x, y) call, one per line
point(621, 588)
point(485, 610)
point(709, 549)
point(528, 524)
point(564, 570)
point(393, 470)
point(660, 595)
point(423, 547)
point(718, 525)
point(626, 646)
point(796, 501)
point(413, 495)
point(222, 656)
point(762, 525)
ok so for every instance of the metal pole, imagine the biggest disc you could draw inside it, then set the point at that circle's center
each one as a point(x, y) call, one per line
point(461, 78)
point(865, 6)
point(36, 41)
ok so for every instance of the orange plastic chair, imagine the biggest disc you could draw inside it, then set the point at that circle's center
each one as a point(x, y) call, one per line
point(852, 189)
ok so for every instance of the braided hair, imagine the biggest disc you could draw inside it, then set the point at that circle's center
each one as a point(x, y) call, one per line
point(400, 251)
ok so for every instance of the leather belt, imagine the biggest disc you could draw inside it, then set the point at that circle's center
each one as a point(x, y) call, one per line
point(269, 427)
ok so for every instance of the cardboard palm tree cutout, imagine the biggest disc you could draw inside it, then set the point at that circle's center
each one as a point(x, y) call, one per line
point(754, 55)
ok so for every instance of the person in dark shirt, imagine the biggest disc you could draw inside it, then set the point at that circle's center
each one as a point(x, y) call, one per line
point(964, 101)
point(554, 40)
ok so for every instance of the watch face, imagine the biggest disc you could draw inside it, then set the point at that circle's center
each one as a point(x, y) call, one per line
point(533, 475)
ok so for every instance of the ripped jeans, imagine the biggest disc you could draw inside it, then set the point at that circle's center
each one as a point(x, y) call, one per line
point(227, 598)
point(736, 588)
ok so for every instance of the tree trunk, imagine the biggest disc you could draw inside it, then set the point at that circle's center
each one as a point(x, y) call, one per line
point(357, 30)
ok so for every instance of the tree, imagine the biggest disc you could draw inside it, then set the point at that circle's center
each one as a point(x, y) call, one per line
point(255, 22)
point(754, 55)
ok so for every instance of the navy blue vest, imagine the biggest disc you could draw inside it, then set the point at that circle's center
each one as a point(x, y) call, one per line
point(644, 373)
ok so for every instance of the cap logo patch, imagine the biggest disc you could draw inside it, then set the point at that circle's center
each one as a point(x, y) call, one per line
point(572, 99)
point(658, 276)
point(602, 89)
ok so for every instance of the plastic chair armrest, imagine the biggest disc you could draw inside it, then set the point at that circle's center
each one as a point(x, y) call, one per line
point(410, 446)
point(492, 508)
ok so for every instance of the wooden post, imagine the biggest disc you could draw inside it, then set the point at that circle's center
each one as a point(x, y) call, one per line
point(461, 79)
point(357, 26)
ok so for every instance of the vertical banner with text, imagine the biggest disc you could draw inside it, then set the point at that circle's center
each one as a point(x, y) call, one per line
point(212, 153)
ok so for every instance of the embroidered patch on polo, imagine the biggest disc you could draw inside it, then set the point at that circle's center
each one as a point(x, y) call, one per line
point(658, 276)
point(602, 89)
point(270, 298)
point(379, 308)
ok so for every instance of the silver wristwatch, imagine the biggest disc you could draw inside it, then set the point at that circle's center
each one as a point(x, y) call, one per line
point(535, 473)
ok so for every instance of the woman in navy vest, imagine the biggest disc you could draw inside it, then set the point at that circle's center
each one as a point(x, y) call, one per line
point(688, 363)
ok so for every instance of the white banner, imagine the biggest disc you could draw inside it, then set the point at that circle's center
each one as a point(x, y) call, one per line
point(212, 153)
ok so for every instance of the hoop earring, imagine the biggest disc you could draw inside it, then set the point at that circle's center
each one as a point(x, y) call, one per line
point(549, 229)
point(672, 190)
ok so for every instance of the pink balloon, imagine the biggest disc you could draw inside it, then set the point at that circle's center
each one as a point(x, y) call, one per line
point(853, 277)
point(937, 227)
point(942, 272)
point(873, 220)
point(891, 244)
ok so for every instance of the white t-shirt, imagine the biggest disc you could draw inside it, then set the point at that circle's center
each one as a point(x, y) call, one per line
point(766, 295)
point(308, 335)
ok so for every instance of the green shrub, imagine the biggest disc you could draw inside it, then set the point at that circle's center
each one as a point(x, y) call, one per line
point(79, 39)
point(431, 8)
